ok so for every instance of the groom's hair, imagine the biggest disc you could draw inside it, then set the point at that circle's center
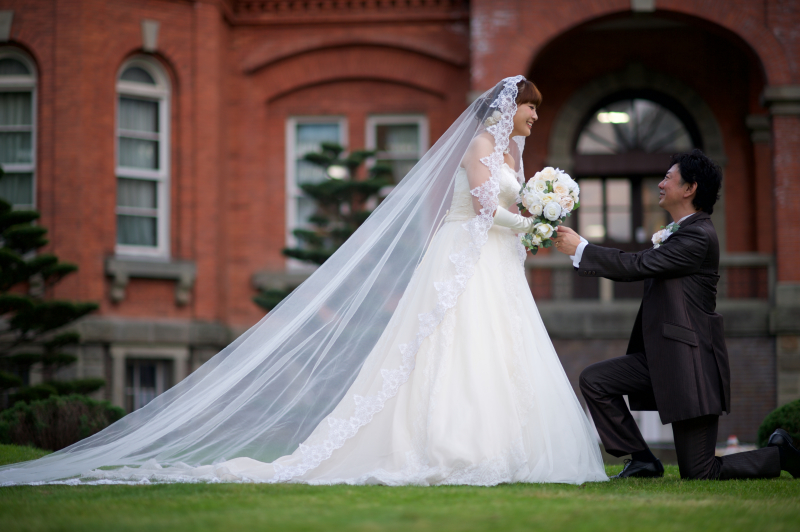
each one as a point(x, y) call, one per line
point(695, 167)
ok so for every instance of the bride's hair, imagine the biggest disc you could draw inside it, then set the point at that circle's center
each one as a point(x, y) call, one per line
point(526, 93)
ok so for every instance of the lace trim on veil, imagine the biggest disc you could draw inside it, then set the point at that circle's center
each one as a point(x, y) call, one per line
point(341, 430)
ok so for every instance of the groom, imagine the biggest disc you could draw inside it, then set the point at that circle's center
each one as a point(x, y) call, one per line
point(676, 360)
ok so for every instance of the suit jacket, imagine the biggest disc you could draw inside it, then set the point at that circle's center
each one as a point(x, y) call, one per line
point(676, 327)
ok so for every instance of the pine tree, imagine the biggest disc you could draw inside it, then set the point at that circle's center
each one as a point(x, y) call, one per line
point(341, 208)
point(29, 322)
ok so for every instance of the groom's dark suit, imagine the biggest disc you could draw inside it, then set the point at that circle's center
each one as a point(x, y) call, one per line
point(676, 360)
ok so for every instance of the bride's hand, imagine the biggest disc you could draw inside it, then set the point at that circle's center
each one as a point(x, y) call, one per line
point(566, 240)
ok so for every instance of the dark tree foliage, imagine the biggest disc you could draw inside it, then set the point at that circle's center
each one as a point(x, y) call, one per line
point(341, 209)
point(29, 323)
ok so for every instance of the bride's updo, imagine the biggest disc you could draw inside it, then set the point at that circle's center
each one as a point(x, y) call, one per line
point(526, 93)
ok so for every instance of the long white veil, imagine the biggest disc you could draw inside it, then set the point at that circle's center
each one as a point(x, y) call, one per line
point(264, 394)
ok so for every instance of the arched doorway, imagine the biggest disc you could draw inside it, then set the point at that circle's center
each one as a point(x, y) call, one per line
point(714, 78)
point(620, 155)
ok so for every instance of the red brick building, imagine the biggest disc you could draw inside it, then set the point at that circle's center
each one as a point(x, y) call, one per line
point(160, 141)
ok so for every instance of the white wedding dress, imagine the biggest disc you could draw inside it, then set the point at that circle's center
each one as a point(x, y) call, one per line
point(481, 399)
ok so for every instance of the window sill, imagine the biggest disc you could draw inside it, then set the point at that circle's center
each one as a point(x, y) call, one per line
point(281, 280)
point(123, 269)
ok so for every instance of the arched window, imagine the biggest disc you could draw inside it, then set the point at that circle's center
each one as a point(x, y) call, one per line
point(621, 155)
point(17, 128)
point(634, 126)
point(143, 96)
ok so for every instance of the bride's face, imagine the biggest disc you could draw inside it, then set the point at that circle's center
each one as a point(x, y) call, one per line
point(524, 119)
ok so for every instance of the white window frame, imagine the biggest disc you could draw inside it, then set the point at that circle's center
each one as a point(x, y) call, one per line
point(293, 192)
point(22, 84)
point(373, 121)
point(120, 353)
point(161, 94)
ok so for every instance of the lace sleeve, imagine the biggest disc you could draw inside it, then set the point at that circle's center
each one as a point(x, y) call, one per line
point(479, 174)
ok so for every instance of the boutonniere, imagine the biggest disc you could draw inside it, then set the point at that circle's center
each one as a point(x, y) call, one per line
point(659, 237)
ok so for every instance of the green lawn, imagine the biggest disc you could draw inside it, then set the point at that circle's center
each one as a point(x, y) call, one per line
point(667, 504)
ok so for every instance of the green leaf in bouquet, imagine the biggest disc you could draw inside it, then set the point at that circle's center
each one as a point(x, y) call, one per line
point(547, 243)
point(534, 249)
point(520, 206)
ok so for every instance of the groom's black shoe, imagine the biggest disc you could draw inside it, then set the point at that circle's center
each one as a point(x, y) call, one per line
point(790, 456)
point(640, 469)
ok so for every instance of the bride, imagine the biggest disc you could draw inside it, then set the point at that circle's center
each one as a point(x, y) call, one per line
point(414, 355)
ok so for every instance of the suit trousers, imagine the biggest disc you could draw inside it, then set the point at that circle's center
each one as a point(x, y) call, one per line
point(603, 386)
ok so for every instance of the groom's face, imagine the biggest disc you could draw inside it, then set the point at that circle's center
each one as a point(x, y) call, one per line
point(672, 189)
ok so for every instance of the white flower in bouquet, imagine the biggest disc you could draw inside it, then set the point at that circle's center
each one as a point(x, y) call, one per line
point(549, 173)
point(540, 186)
point(561, 188)
point(568, 181)
point(543, 230)
point(552, 211)
point(533, 202)
point(550, 197)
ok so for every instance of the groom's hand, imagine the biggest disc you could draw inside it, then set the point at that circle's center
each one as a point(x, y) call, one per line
point(566, 240)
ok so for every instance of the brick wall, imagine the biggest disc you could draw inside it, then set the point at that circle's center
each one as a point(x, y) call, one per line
point(753, 382)
point(232, 88)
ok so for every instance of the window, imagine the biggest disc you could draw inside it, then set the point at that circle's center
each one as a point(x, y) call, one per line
point(400, 141)
point(623, 152)
point(619, 209)
point(634, 125)
point(17, 129)
point(304, 135)
point(145, 380)
point(621, 155)
point(142, 160)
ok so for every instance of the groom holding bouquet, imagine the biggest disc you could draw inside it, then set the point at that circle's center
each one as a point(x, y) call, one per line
point(676, 361)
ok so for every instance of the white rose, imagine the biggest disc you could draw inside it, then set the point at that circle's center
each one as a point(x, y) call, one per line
point(552, 211)
point(567, 180)
point(537, 240)
point(659, 237)
point(531, 199)
point(550, 197)
point(561, 188)
point(536, 210)
point(540, 185)
point(543, 230)
point(493, 119)
point(575, 193)
point(567, 203)
point(549, 174)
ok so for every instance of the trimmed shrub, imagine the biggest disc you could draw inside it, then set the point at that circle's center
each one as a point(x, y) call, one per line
point(786, 417)
point(29, 394)
point(56, 422)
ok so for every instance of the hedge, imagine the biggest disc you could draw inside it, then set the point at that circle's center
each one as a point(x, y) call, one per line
point(787, 418)
point(56, 422)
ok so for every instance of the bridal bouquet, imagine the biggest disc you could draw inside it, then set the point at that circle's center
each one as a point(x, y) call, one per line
point(549, 196)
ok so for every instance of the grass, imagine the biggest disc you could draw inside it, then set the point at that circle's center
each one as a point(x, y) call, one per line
point(10, 454)
point(667, 504)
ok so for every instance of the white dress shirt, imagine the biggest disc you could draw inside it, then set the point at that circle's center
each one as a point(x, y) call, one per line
point(576, 258)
